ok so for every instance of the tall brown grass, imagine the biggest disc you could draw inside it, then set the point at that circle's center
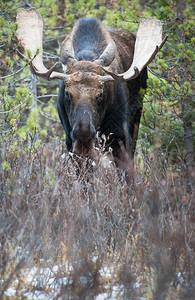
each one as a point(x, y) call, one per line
point(103, 234)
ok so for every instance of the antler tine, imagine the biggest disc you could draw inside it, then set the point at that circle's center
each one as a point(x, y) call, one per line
point(30, 36)
point(148, 43)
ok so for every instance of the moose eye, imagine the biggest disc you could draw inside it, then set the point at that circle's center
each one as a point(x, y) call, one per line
point(99, 97)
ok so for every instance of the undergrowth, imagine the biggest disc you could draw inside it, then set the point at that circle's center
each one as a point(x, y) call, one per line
point(66, 236)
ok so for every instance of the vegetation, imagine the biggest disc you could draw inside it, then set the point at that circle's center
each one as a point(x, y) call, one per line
point(64, 237)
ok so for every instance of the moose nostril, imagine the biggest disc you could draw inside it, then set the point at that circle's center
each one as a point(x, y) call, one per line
point(83, 132)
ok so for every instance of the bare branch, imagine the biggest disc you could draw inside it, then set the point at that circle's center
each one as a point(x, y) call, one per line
point(46, 96)
point(58, 28)
point(48, 116)
point(20, 70)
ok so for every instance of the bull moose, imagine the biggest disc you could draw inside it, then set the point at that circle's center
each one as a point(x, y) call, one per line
point(103, 80)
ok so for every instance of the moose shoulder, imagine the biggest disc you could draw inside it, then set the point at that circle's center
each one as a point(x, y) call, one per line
point(104, 72)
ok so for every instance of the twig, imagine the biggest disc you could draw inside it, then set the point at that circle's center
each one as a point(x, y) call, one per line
point(58, 28)
point(25, 78)
point(45, 96)
point(7, 112)
point(3, 13)
point(47, 54)
point(48, 116)
point(20, 70)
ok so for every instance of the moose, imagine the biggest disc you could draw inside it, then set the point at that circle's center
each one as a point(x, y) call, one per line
point(103, 80)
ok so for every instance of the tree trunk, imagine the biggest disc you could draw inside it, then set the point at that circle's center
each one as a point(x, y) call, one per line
point(183, 77)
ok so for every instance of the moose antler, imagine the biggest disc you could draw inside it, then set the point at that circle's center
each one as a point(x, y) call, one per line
point(30, 36)
point(148, 43)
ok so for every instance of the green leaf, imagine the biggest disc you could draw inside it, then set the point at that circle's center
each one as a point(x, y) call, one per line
point(6, 166)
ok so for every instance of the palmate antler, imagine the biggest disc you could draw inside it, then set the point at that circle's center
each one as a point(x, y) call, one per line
point(148, 43)
point(30, 36)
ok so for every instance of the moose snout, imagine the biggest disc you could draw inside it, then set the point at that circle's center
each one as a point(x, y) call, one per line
point(84, 132)
point(83, 135)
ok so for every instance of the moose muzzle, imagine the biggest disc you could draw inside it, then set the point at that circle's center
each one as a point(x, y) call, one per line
point(83, 133)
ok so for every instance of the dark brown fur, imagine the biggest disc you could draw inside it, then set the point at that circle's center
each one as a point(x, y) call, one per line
point(87, 105)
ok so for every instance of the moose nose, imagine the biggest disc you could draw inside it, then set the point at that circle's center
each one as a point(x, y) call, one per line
point(83, 132)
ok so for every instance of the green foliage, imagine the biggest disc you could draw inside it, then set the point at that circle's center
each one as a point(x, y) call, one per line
point(163, 102)
point(23, 126)
point(33, 119)
point(6, 166)
point(51, 110)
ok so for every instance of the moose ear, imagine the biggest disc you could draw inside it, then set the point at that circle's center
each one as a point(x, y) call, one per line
point(67, 51)
point(108, 55)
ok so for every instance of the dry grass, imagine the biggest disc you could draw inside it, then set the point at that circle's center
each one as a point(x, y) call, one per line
point(95, 235)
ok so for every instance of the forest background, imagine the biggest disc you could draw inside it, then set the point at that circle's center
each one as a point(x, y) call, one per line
point(144, 235)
